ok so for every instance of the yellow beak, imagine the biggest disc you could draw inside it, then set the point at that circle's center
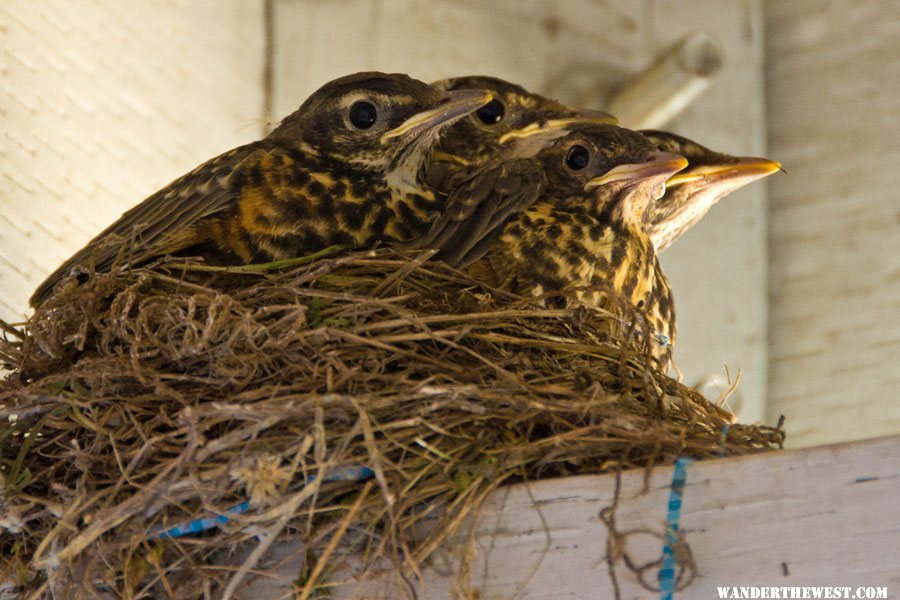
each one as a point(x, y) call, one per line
point(459, 104)
point(659, 165)
point(587, 117)
point(749, 168)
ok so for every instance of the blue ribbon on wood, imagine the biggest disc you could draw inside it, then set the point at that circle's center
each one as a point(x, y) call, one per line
point(724, 439)
point(347, 473)
point(667, 579)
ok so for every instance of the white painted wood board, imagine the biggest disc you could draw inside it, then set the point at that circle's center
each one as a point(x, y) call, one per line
point(102, 102)
point(834, 115)
point(823, 516)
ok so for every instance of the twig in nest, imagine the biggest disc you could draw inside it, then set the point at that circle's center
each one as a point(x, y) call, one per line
point(288, 511)
point(333, 543)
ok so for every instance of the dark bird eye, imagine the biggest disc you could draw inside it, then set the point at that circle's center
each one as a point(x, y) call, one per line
point(577, 158)
point(490, 113)
point(363, 114)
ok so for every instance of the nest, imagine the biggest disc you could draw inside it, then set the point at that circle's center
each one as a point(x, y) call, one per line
point(340, 399)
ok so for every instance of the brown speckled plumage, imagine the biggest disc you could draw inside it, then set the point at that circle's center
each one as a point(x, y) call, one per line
point(472, 143)
point(582, 239)
point(315, 181)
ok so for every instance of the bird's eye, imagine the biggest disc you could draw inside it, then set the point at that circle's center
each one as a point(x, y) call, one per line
point(577, 158)
point(491, 113)
point(363, 114)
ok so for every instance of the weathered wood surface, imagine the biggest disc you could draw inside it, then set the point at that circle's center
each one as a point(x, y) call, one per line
point(818, 516)
point(103, 102)
point(833, 88)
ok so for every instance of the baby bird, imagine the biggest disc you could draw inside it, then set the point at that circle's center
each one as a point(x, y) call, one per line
point(346, 168)
point(514, 111)
point(582, 236)
point(709, 177)
point(477, 139)
point(482, 139)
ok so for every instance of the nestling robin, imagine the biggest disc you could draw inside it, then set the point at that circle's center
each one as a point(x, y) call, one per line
point(476, 139)
point(584, 232)
point(514, 111)
point(690, 194)
point(346, 168)
point(479, 139)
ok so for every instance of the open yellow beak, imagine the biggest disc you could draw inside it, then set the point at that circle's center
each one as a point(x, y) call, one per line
point(745, 168)
point(459, 104)
point(588, 116)
point(659, 165)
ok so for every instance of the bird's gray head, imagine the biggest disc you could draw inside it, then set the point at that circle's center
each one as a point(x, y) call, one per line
point(713, 174)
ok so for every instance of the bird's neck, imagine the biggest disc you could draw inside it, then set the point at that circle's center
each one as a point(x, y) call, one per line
point(405, 174)
point(626, 208)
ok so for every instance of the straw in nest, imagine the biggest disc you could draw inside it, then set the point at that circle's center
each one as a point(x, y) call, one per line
point(145, 399)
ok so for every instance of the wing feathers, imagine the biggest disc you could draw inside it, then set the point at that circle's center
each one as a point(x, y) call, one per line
point(479, 205)
point(158, 224)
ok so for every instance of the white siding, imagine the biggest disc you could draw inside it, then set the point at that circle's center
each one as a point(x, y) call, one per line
point(101, 103)
point(834, 121)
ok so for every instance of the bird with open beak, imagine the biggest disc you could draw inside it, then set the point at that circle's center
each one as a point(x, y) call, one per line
point(581, 237)
point(346, 168)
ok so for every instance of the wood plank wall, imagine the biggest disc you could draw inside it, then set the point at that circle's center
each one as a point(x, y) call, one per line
point(833, 92)
point(102, 102)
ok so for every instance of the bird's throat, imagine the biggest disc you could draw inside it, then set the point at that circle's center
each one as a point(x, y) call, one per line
point(406, 172)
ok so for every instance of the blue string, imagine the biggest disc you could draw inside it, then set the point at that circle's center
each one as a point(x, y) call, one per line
point(667, 572)
point(724, 439)
point(346, 473)
point(662, 339)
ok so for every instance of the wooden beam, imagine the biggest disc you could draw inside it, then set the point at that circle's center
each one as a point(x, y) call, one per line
point(824, 516)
